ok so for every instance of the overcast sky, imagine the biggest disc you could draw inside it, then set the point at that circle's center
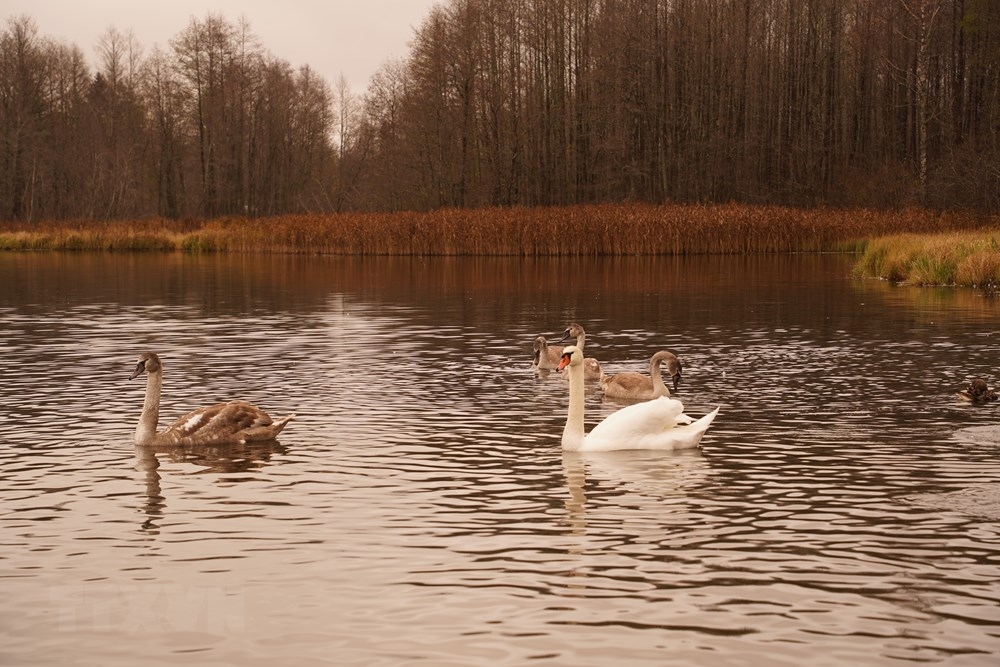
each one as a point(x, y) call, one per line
point(334, 37)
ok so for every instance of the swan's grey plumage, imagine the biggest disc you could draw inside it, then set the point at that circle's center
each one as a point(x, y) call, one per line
point(629, 384)
point(591, 366)
point(232, 422)
point(657, 424)
point(546, 357)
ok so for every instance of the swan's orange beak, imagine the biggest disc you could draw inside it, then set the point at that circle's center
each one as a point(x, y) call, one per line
point(564, 361)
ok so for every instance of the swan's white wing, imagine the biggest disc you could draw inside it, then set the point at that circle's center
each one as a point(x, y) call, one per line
point(647, 417)
point(681, 436)
point(656, 424)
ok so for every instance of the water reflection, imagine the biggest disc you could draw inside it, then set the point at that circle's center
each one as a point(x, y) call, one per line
point(644, 478)
point(147, 463)
point(202, 460)
point(419, 508)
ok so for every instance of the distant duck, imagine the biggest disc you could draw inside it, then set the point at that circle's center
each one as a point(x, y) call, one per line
point(591, 367)
point(978, 392)
point(223, 423)
point(659, 424)
point(629, 384)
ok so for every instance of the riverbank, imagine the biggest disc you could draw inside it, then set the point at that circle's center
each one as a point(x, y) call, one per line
point(611, 230)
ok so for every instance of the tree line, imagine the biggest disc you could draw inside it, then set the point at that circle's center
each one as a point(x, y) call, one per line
point(519, 103)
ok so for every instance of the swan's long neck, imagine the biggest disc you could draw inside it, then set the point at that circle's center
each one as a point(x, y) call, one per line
point(580, 340)
point(658, 384)
point(150, 416)
point(573, 434)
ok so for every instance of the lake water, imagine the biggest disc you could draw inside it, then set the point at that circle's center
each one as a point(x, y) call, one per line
point(844, 508)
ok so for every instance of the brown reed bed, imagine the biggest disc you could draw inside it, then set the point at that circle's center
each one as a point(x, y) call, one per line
point(593, 230)
point(965, 258)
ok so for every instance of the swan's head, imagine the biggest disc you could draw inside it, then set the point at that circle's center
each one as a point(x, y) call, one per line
point(538, 346)
point(148, 363)
point(571, 355)
point(573, 330)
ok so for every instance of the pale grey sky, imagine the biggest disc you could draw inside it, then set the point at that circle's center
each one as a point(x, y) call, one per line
point(334, 37)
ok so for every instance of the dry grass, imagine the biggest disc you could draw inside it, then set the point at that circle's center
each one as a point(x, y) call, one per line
point(610, 230)
point(89, 236)
point(970, 258)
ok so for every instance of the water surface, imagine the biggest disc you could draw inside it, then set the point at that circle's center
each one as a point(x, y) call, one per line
point(843, 508)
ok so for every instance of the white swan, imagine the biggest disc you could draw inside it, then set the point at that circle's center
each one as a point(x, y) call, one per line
point(629, 384)
point(591, 367)
point(233, 422)
point(657, 424)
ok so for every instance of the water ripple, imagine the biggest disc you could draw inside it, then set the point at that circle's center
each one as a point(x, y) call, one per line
point(418, 509)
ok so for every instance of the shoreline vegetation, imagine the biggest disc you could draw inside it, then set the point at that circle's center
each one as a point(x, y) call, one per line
point(911, 245)
point(961, 258)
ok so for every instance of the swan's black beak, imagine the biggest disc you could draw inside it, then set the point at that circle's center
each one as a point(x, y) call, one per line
point(139, 369)
point(565, 336)
point(538, 356)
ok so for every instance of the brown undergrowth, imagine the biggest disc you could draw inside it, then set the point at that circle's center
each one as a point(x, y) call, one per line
point(594, 230)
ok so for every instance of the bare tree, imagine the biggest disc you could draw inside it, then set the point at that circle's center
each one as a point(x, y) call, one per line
point(118, 119)
point(166, 99)
point(22, 122)
point(520, 102)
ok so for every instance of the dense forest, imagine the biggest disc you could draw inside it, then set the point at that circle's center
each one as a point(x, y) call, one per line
point(842, 103)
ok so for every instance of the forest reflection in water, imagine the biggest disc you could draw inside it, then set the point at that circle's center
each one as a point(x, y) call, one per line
point(419, 508)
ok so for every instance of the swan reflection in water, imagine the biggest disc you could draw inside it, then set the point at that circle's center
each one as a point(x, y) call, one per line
point(229, 458)
point(629, 478)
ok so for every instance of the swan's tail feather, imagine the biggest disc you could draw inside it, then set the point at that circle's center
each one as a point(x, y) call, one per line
point(269, 432)
point(698, 428)
point(281, 423)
